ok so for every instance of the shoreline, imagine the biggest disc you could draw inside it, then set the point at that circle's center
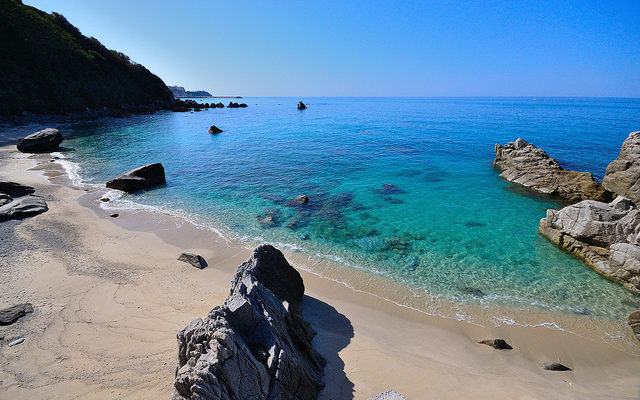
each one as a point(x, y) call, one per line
point(432, 356)
point(357, 278)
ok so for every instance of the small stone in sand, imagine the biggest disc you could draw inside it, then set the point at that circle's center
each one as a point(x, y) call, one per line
point(11, 314)
point(16, 342)
point(554, 366)
point(193, 259)
point(498, 344)
point(114, 215)
point(104, 199)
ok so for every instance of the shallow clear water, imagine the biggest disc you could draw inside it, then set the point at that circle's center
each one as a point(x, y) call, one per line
point(449, 225)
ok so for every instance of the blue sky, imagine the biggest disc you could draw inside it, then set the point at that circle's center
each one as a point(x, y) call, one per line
point(374, 48)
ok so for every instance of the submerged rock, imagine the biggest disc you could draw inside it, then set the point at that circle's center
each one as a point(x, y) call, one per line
point(141, 178)
point(193, 259)
point(214, 129)
point(43, 141)
point(634, 323)
point(529, 166)
point(555, 366)
point(26, 206)
point(498, 344)
point(256, 345)
point(301, 106)
point(606, 236)
point(300, 200)
point(270, 218)
point(623, 174)
point(11, 314)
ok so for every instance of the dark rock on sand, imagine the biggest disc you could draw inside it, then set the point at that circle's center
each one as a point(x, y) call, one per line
point(634, 323)
point(14, 189)
point(193, 259)
point(302, 106)
point(141, 178)
point(256, 345)
point(43, 141)
point(498, 344)
point(11, 314)
point(114, 215)
point(529, 166)
point(21, 207)
point(554, 366)
point(606, 236)
point(214, 129)
point(623, 174)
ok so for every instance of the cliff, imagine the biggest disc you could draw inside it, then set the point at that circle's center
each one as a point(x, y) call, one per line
point(48, 67)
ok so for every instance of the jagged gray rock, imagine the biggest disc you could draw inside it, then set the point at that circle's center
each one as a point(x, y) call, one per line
point(21, 207)
point(15, 189)
point(634, 323)
point(529, 166)
point(140, 178)
point(389, 395)
point(623, 174)
point(605, 235)
point(11, 314)
point(43, 141)
point(193, 259)
point(256, 345)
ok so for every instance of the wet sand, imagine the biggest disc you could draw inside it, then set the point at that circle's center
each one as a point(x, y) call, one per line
point(109, 296)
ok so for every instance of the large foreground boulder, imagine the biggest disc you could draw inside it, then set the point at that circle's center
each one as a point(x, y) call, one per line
point(26, 206)
point(256, 345)
point(530, 166)
point(141, 178)
point(605, 235)
point(43, 141)
point(623, 174)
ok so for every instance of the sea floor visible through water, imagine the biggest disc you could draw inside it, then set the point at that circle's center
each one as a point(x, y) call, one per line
point(399, 188)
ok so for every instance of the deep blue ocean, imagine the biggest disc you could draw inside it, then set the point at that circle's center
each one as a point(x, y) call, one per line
point(402, 187)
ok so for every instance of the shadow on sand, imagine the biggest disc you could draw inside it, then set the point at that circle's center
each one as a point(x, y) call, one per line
point(334, 333)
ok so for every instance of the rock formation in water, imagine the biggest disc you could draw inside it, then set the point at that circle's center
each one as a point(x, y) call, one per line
point(43, 141)
point(141, 178)
point(256, 345)
point(17, 201)
point(605, 235)
point(528, 165)
point(233, 104)
point(623, 174)
point(302, 106)
point(214, 129)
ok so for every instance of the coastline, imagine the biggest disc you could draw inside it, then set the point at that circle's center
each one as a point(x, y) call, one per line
point(149, 296)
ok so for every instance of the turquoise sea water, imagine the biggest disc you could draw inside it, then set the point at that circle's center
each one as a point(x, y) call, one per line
point(445, 223)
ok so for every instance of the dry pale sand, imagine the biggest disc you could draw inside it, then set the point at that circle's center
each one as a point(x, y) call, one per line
point(109, 296)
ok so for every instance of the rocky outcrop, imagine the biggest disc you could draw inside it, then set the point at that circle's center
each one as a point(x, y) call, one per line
point(302, 106)
point(528, 165)
point(256, 345)
point(11, 314)
point(634, 323)
point(605, 235)
point(233, 104)
point(17, 201)
point(214, 129)
point(43, 141)
point(623, 174)
point(193, 259)
point(498, 344)
point(141, 178)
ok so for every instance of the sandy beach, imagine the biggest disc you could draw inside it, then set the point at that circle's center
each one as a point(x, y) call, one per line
point(109, 296)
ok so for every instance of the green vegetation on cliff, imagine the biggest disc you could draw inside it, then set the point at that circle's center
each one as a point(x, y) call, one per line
point(48, 66)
